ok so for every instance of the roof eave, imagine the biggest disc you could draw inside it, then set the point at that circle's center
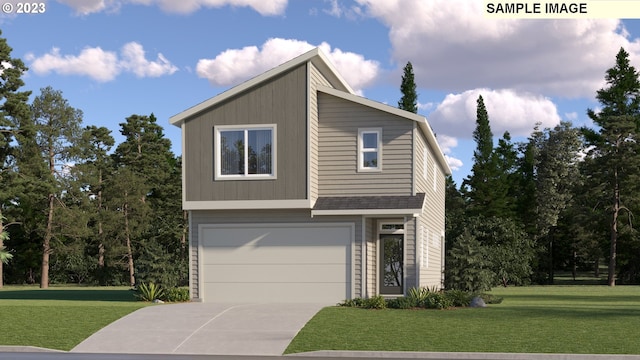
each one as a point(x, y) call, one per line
point(315, 56)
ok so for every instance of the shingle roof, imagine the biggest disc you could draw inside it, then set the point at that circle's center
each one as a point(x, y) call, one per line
point(370, 202)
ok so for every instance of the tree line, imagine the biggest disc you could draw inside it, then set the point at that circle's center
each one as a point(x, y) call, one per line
point(75, 207)
point(563, 200)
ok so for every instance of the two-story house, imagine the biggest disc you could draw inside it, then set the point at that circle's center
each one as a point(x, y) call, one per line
point(298, 190)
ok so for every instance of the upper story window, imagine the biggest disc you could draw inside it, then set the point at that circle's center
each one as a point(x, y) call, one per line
point(245, 152)
point(370, 149)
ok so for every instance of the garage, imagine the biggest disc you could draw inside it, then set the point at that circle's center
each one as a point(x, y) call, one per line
point(298, 262)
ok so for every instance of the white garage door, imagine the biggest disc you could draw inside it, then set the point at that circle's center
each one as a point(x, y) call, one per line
point(276, 262)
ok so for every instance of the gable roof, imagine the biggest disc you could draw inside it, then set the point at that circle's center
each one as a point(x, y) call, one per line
point(315, 56)
point(340, 89)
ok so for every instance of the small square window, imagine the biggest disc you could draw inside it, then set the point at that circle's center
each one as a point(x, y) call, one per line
point(370, 149)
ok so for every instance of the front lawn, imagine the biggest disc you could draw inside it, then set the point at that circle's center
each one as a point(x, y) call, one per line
point(554, 319)
point(60, 317)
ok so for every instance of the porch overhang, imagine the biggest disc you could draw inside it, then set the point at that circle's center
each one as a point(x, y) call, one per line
point(369, 205)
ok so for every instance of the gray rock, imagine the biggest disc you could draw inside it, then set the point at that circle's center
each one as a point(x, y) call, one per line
point(477, 302)
point(158, 301)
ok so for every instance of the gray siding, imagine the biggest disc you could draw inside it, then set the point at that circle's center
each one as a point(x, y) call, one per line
point(265, 217)
point(315, 78)
point(337, 152)
point(371, 257)
point(430, 225)
point(281, 101)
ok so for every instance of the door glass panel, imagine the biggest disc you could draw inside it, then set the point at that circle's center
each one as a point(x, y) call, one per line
point(392, 264)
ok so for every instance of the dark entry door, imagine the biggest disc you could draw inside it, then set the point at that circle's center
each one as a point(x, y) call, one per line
point(391, 263)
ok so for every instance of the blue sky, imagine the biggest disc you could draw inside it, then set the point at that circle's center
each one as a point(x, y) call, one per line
point(115, 58)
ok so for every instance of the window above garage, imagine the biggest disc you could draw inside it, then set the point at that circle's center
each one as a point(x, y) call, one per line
point(245, 152)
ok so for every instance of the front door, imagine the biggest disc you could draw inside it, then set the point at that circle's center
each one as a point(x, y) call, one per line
point(391, 263)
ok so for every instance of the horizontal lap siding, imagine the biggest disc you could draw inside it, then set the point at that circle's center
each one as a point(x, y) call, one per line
point(268, 217)
point(315, 78)
point(337, 157)
point(281, 101)
point(430, 224)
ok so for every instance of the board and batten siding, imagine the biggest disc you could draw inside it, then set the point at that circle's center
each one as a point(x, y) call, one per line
point(430, 224)
point(280, 100)
point(338, 175)
point(211, 217)
point(315, 78)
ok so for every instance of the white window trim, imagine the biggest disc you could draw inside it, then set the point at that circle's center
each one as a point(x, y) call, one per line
point(362, 150)
point(218, 172)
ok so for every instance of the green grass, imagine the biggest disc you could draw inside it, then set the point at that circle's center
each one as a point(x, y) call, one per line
point(60, 317)
point(554, 319)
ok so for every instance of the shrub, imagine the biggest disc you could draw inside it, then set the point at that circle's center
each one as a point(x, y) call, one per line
point(402, 303)
point(149, 292)
point(418, 294)
point(437, 300)
point(459, 298)
point(357, 302)
point(177, 294)
point(491, 299)
point(375, 302)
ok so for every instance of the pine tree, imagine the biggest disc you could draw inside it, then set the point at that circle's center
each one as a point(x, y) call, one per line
point(13, 107)
point(409, 100)
point(95, 145)
point(482, 181)
point(57, 126)
point(557, 176)
point(145, 159)
point(616, 148)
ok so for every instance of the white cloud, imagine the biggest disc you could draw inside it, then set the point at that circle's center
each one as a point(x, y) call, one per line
point(101, 65)
point(86, 7)
point(236, 65)
point(335, 9)
point(508, 111)
point(453, 46)
point(94, 62)
point(263, 7)
point(425, 106)
point(133, 60)
point(447, 143)
point(454, 164)
point(571, 116)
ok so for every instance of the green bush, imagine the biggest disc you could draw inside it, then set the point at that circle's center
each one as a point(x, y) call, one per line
point(149, 292)
point(437, 300)
point(402, 302)
point(375, 302)
point(459, 298)
point(357, 302)
point(177, 294)
point(419, 295)
point(491, 299)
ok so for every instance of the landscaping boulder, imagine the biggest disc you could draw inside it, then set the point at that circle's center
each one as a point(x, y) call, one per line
point(477, 302)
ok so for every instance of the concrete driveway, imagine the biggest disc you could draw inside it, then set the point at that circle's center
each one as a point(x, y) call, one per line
point(201, 328)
